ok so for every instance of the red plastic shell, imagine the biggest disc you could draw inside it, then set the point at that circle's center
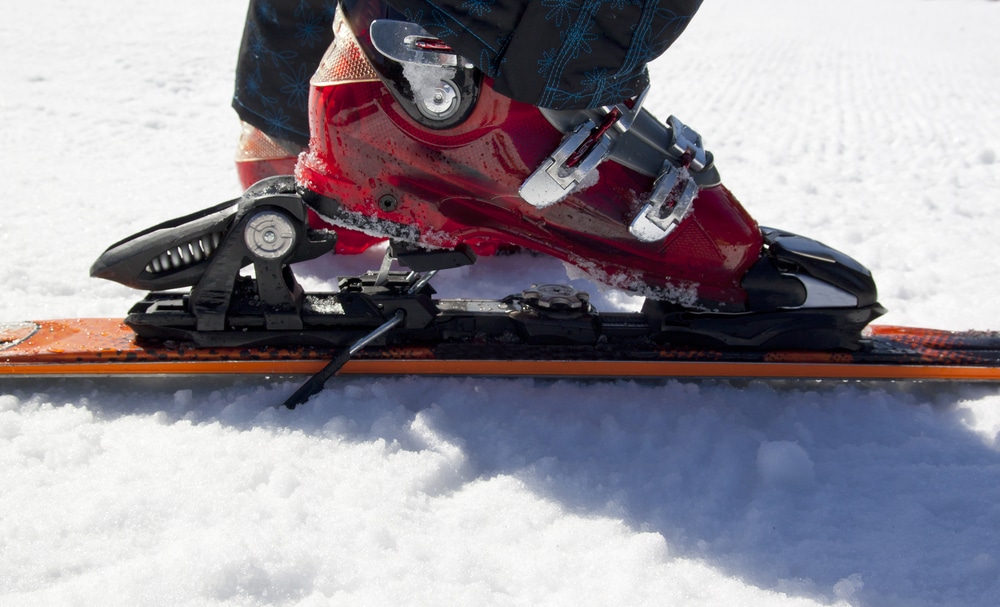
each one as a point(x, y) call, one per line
point(460, 185)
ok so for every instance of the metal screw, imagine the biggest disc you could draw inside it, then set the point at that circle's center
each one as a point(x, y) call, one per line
point(388, 203)
point(269, 235)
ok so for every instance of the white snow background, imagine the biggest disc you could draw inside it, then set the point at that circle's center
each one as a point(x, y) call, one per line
point(871, 125)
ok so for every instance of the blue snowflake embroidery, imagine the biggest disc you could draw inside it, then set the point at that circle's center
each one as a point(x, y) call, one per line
point(479, 8)
point(257, 46)
point(278, 123)
point(309, 26)
point(266, 12)
point(547, 61)
point(310, 32)
point(576, 41)
point(297, 87)
point(596, 80)
point(560, 10)
point(253, 83)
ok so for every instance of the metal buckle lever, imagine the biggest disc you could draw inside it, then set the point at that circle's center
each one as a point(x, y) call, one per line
point(669, 203)
point(578, 154)
point(687, 145)
point(406, 42)
point(557, 177)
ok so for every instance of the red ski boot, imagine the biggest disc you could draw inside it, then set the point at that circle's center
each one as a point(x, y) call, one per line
point(409, 141)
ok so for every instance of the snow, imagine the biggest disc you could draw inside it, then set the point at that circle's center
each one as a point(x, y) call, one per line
point(871, 125)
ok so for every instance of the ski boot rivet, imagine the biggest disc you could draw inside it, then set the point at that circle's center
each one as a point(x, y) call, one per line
point(388, 203)
point(440, 102)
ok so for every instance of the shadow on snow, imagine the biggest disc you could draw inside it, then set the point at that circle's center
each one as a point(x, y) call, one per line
point(797, 487)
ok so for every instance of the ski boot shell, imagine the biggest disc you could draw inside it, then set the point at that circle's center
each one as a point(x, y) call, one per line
point(409, 141)
point(378, 163)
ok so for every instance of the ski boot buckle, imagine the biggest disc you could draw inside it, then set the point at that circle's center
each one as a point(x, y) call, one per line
point(670, 202)
point(579, 153)
point(675, 189)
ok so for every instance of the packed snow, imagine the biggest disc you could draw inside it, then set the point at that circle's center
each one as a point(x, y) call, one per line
point(871, 125)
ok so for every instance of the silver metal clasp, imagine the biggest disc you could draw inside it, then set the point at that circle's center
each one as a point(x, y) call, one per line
point(578, 155)
point(674, 190)
point(686, 145)
point(669, 203)
point(407, 42)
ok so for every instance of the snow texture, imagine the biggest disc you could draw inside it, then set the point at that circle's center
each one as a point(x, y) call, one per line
point(871, 125)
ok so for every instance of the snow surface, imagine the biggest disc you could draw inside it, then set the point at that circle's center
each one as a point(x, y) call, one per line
point(871, 125)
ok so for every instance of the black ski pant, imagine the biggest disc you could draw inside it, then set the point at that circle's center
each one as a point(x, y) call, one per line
point(561, 54)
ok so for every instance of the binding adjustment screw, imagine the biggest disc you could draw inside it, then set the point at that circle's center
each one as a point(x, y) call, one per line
point(269, 235)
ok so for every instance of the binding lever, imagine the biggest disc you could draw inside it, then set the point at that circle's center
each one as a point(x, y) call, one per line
point(267, 228)
point(314, 385)
point(580, 152)
point(424, 265)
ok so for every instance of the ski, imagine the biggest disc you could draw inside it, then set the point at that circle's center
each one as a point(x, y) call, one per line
point(109, 347)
